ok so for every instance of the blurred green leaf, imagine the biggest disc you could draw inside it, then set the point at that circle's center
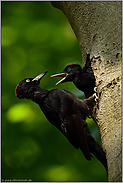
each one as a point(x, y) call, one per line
point(9, 35)
point(20, 112)
point(61, 174)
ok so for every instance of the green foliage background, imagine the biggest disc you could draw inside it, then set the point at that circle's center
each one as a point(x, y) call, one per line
point(37, 37)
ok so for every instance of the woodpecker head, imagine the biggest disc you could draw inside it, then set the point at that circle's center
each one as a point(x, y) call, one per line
point(69, 72)
point(26, 87)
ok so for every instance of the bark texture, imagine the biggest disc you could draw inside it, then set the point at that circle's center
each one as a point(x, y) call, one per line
point(97, 26)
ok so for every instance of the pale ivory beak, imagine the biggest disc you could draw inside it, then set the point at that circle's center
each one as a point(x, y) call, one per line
point(39, 76)
point(64, 75)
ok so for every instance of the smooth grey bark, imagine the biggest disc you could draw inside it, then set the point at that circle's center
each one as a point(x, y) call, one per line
point(97, 26)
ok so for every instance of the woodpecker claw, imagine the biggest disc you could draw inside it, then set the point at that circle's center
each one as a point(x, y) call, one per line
point(95, 97)
point(95, 89)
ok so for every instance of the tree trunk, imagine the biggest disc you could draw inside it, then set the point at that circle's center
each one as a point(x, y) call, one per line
point(97, 26)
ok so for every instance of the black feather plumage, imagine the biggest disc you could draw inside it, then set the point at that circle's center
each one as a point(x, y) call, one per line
point(66, 112)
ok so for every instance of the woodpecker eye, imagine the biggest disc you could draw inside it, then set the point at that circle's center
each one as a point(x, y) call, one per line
point(27, 80)
point(69, 69)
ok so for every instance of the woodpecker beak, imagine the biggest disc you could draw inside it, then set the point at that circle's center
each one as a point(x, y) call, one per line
point(37, 78)
point(64, 75)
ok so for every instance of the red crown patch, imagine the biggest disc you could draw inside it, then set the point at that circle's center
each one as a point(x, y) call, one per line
point(72, 64)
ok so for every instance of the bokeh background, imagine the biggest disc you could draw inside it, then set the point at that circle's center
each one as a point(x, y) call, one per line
point(36, 38)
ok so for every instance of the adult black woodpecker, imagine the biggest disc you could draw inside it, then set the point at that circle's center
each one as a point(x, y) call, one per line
point(83, 78)
point(66, 112)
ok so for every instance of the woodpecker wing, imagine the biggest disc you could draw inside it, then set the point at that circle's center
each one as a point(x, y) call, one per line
point(68, 120)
